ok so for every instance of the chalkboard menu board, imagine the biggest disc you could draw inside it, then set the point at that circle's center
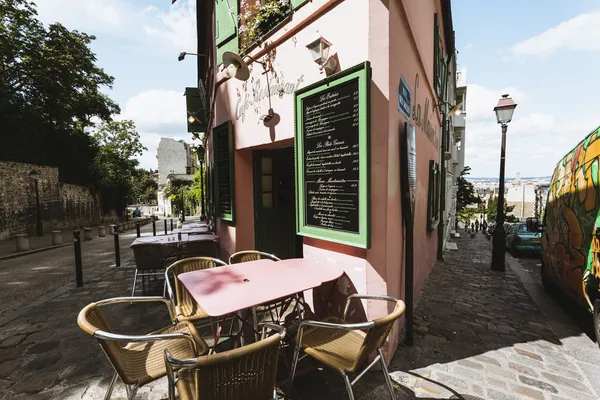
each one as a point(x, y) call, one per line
point(332, 158)
point(331, 155)
point(223, 160)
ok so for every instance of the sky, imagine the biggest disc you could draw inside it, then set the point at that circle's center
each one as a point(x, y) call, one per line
point(543, 53)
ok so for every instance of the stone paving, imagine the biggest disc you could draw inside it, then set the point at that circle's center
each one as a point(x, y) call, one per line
point(481, 333)
point(477, 332)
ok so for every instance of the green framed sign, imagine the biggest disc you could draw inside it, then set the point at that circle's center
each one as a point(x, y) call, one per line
point(224, 151)
point(332, 157)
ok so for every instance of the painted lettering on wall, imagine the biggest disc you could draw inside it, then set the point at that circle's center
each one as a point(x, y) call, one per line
point(259, 91)
point(420, 115)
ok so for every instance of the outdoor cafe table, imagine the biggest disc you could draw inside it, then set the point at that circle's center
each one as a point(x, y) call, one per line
point(173, 239)
point(192, 229)
point(228, 289)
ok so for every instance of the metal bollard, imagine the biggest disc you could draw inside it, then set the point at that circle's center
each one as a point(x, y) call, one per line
point(78, 264)
point(137, 228)
point(117, 249)
point(153, 228)
point(165, 226)
point(171, 224)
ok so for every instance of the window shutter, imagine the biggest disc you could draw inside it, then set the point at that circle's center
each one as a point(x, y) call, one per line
point(226, 18)
point(436, 53)
point(298, 3)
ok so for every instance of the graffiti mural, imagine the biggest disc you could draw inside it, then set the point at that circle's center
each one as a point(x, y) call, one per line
point(570, 248)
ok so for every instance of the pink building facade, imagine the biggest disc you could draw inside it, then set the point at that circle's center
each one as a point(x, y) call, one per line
point(258, 145)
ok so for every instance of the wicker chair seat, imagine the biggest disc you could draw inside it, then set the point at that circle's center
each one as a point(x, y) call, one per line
point(151, 355)
point(335, 348)
point(189, 311)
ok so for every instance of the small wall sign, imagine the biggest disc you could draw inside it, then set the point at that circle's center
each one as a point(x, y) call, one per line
point(404, 98)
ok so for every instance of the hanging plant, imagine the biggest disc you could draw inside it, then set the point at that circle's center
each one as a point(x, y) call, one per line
point(257, 19)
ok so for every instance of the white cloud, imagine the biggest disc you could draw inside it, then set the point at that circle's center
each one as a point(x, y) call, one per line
point(172, 29)
point(535, 141)
point(580, 33)
point(155, 107)
point(481, 101)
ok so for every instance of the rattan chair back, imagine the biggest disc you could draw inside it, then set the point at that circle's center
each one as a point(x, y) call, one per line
point(154, 255)
point(250, 255)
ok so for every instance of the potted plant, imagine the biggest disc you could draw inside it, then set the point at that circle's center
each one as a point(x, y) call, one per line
point(258, 19)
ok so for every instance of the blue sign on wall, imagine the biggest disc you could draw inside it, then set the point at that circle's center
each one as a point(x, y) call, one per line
point(404, 98)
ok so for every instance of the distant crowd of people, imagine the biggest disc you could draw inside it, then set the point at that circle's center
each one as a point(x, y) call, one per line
point(474, 226)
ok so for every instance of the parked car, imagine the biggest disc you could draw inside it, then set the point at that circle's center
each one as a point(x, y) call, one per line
point(520, 240)
point(570, 249)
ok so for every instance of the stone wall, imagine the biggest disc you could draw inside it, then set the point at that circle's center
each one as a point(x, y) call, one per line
point(63, 206)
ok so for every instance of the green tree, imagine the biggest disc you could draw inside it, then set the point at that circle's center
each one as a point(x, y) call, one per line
point(50, 89)
point(492, 211)
point(178, 191)
point(118, 143)
point(465, 194)
point(143, 187)
point(467, 215)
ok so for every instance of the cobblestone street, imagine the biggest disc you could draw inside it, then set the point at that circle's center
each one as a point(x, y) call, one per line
point(477, 332)
point(488, 334)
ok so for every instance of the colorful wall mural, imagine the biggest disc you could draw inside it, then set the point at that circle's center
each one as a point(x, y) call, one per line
point(570, 247)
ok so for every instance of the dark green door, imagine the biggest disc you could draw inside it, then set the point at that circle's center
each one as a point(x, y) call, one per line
point(274, 203)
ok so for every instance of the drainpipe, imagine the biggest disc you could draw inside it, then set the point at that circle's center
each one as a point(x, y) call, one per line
point(442, 225)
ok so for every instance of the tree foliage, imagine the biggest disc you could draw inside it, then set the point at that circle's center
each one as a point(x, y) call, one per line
point(50, 89)
point(144, 187)
point(118, 143)
point(467, 215)
point(492, 211)
point(465, 194)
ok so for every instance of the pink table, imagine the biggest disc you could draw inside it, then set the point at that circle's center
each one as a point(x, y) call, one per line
point(225, 290)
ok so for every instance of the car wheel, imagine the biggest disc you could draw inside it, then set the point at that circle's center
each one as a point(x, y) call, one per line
point(597, 321)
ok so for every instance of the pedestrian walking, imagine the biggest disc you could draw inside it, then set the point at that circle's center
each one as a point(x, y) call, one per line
point(476, 225)
point(472, 227)
point(485, 226)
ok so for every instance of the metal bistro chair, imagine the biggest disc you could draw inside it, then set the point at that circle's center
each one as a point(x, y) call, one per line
point(184, 306)
point(345, 347)
point(152, 257)
point(247, 372)
point(139, 359)
point(201, 248)
point(251, 255)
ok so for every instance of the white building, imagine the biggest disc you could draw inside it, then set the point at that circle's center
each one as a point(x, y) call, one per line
point(456, 158)
point(174, 159)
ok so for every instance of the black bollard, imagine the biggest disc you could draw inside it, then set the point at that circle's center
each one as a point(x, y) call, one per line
point(165, 226)
point(153, 227)
point(171, 224)
point(117, 249)
point(137, 228)
point(78, 264)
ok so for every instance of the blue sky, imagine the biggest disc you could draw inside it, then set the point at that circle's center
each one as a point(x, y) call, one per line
point(544, 53)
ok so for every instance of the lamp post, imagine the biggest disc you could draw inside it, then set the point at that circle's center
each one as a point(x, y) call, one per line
point(504, 111)
point(35, 177)
point(201, 153)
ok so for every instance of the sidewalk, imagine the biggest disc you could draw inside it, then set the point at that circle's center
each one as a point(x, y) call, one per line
point(494, 335)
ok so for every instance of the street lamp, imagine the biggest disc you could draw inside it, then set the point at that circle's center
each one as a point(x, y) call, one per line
point(504, 111)
point(201, 153)
point(35, 176)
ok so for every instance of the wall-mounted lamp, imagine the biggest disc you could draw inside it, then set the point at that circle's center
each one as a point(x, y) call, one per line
point(454, 109)
point(183, 54)
point(235, 66)
point(319, 49)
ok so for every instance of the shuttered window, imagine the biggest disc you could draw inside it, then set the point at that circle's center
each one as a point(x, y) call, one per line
point(226, 15)
point(433, 196)
point(224, 168)
point(439, 59)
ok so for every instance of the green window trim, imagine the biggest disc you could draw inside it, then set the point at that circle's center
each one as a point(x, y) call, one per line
point(224, 173)
point(362, 72)
point(433, 196)
point(439, 59)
